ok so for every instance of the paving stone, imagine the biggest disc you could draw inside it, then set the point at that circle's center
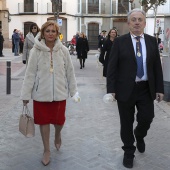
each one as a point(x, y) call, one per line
point(91, 135)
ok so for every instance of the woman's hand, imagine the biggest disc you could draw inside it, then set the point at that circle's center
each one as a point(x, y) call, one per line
point(76, 98)
point(25, 102)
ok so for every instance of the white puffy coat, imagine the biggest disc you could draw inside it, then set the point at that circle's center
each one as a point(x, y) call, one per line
point(28, 44)
point(42, 85)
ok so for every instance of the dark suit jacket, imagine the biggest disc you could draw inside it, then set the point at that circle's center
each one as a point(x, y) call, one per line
point(104, 55)
point(122, 68)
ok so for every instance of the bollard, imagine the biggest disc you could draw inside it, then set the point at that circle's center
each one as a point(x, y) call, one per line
point(8, 77)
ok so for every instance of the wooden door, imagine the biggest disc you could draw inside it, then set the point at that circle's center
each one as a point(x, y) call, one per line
point(93, 32)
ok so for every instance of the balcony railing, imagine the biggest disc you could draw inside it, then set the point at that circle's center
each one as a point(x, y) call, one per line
point(62, 8)
point(28, 8)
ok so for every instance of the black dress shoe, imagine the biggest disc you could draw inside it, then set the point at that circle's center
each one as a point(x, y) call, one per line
point(141, 146)
point(140, 143)
point(128, 161)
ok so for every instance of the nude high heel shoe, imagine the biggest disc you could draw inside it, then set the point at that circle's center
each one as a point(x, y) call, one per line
point(57, 143)
point(46, 158)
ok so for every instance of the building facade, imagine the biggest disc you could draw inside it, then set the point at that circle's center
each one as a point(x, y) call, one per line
point(4, 21)
point(88, 16)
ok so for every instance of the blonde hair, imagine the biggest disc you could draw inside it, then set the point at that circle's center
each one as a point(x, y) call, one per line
point(45, 25)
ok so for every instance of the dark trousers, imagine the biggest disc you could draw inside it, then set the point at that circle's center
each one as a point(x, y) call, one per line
point(21, 45)
point(141, 99)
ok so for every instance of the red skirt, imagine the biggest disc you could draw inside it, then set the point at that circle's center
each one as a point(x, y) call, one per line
point(49, 112)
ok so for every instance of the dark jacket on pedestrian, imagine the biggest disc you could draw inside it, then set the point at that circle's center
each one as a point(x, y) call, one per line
point(1, 40)
point(104, 55)
point(101, 42)
point(16, 37)
point(1, 43)
point(82, 47)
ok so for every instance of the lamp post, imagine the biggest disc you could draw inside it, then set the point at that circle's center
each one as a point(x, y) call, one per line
point(56, 4)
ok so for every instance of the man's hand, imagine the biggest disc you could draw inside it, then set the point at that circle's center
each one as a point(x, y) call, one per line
point(98, 49)
point(113, 94)
point(159, 97)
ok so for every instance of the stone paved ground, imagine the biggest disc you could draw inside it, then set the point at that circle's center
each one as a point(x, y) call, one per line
point(90, 137)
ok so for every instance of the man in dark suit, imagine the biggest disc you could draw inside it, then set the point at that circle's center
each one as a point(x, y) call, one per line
point(134, 78)
point(101, 40)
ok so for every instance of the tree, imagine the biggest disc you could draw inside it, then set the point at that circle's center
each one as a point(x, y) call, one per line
point(56, 5)
point(153, 4)
point(149, 4)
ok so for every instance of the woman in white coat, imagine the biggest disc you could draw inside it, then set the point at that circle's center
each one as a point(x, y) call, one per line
point(29, 42)
point(49, 80)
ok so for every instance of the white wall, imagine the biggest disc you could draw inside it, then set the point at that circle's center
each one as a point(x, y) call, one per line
point(150, 27)
point(71, 27)
point(71, 6)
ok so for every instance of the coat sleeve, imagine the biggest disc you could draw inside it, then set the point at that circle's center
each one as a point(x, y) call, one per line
point(70, 74)
point(102, 54)
point(112, 67)
point(25, 49)
point(87, 45)
point(158, 72)
point(30, 76)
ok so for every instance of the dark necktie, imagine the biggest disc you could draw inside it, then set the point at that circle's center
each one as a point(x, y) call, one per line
point(139, 58)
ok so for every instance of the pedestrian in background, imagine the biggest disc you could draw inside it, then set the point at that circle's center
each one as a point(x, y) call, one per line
point(21, 43)
point(1, 44)
point(29, 42)
point(77, 35)
point(13, 45)
point(82, 48)
point(16, 39)
point(101, 40)
point(49, 79)
point(73, 40)
point(105, 52)
point(134, 78)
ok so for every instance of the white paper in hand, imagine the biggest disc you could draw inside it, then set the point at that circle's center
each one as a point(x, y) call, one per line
point(108, 98)
point(76, 98)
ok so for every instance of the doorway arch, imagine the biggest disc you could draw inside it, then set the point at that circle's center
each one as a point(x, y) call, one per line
point(27, 27)
point(93, 33)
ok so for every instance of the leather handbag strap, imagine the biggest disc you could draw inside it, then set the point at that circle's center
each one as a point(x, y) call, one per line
point(25, 110)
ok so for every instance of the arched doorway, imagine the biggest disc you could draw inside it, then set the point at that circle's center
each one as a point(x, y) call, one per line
point(27, 27)
point(93, 32)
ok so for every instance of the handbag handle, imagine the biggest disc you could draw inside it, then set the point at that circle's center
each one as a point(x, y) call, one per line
point(25, 108)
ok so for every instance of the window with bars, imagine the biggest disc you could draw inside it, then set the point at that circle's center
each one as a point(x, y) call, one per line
point(28, 5)
point(93, 6)
point(56, 4)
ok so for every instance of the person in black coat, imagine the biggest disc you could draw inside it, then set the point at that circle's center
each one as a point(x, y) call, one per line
point(105, 51)
point(82, 48)
point(1, 44)
point(101, 40)
point(13, 45)
point(135, 85)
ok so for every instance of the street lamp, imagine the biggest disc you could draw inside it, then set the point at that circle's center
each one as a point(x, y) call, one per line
point(56, 4)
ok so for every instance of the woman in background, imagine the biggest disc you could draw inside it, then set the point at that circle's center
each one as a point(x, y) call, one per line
point(105, 51)
point(82, 48)
point(29, 42)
